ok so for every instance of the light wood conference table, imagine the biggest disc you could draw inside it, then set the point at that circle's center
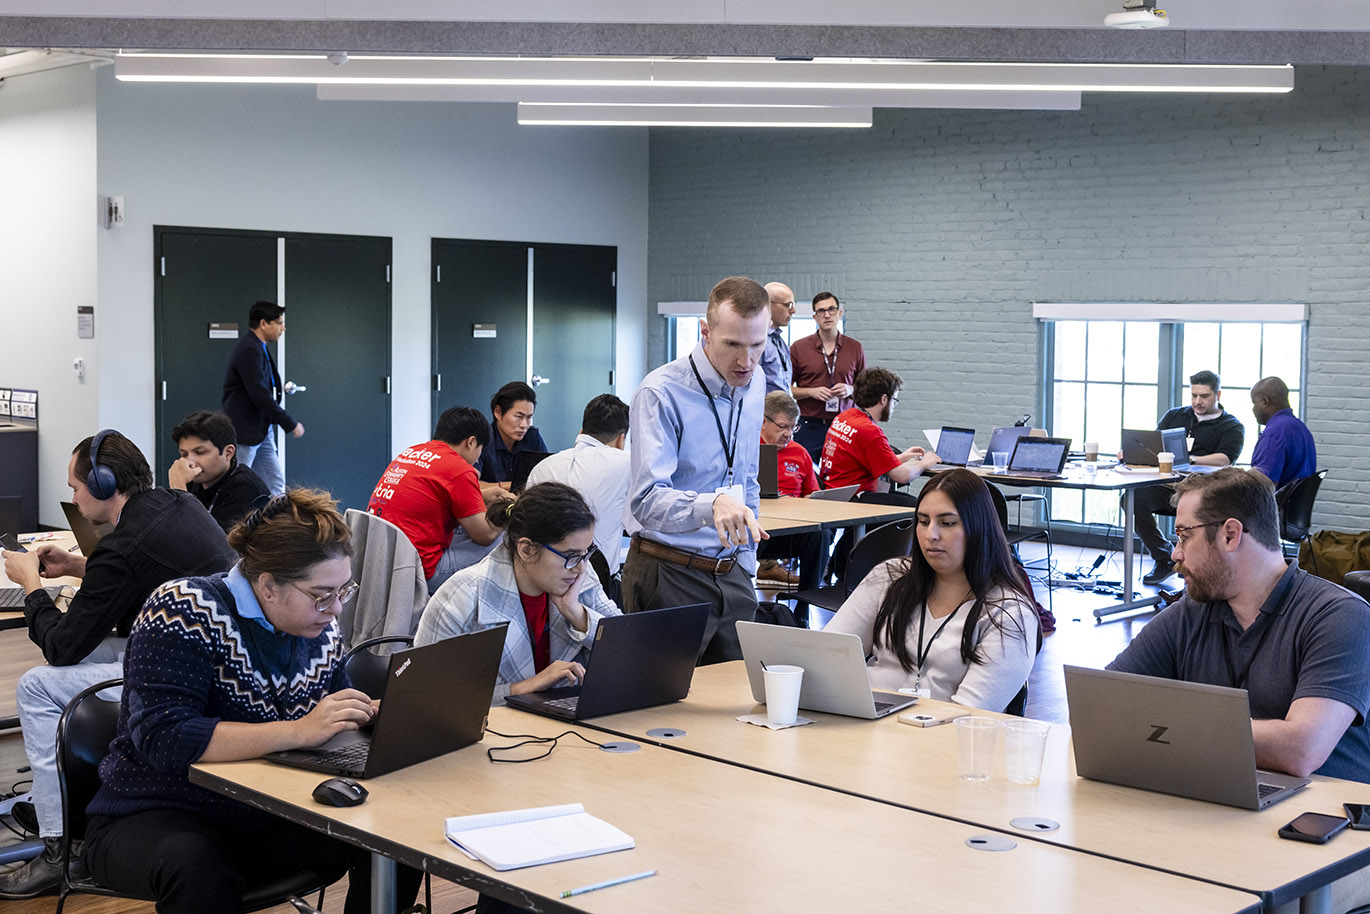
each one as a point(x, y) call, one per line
point(916, 768)
point(1126, 481)
point(722, 838)
point(14, 618)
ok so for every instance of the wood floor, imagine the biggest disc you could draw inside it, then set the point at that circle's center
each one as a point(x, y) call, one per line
point(1078, 640)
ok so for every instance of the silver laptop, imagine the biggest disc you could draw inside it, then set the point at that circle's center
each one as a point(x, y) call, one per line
point(841, 493)
point(1004, 438)
point(1039, 458)
point(1175, 441)
point(1182, 738)
point(954, 445)
point(835, 679)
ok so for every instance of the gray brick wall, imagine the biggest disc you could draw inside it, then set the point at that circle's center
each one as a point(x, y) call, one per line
point(939, 229)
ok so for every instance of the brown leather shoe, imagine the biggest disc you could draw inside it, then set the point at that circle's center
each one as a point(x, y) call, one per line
point(773, 572)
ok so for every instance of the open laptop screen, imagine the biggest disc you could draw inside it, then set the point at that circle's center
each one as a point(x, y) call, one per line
point(954, 444)
point(1039, 455)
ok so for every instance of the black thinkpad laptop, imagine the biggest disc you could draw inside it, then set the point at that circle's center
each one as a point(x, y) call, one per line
point(436, 702)
point(639, 660)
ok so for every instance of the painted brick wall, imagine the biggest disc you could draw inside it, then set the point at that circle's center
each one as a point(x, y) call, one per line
point(939, 229)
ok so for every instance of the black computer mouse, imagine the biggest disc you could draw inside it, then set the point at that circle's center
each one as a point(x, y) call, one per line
point(340, 792)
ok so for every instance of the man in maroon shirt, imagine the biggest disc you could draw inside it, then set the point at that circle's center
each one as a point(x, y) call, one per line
point(825, 368)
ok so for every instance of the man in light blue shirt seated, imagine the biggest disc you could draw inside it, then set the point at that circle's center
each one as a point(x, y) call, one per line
point(1285, 451)
point(693, 495)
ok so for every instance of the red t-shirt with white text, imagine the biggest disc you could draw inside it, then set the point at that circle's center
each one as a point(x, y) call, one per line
point(856, 451)
point(796, 475)
point(423, 492)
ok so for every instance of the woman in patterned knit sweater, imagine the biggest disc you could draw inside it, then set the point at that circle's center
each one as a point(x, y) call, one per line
point(230, 667)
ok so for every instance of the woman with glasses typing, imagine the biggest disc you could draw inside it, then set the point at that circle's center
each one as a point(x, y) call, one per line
point(224, 668)
point(539, 582)
point(953, 620)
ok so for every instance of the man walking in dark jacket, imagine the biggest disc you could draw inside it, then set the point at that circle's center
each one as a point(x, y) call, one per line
point(252, 395)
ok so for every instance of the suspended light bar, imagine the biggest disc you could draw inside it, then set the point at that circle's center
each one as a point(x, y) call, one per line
point(703, 73)
point(694, 95)
point(592, 115)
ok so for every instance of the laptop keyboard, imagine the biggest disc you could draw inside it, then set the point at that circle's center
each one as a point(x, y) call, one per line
point(13, 597)
point(564, 704)
point(350, 756)
point(1265, 790)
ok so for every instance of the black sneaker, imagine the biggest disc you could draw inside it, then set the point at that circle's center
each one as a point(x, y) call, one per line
point(25, 816)
point(1159, 572)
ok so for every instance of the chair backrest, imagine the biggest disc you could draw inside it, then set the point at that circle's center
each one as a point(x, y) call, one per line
point(1296, 505)
point(1358, 582)
point(367, 669)
point(389, 571)
point(887, 541)
point(84, 732)
point(1000, 505)
point(601, 566)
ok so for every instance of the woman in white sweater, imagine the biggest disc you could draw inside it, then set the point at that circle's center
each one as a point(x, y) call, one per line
point(954, 620)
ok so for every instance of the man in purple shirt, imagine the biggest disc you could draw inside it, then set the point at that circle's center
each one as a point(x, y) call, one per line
point(1285, 450)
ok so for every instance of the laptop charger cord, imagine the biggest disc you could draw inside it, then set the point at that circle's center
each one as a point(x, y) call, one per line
point(526, 739)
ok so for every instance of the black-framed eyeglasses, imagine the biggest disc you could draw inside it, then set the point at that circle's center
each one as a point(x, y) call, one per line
point(572, 559)
point(783, 428)
point(818, 312)
point(323, 601)
point(1182, 533)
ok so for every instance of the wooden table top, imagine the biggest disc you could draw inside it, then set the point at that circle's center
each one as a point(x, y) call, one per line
point(916, 767)
point(830, 514)
point(721, 837)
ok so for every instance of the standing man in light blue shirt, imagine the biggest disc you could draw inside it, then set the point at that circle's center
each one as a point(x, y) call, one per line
point(775, 361)
point(692, 505)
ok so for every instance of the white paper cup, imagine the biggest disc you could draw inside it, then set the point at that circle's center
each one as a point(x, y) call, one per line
point(1091, 451)
point(782, 693)
point(975, 739)
point(1025, 742)
point(1165, 462)
point(1000, 461)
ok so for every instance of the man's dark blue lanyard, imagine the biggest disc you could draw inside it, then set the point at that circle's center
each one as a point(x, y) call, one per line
point(729, 450)
point(271, 363)
point(779, 349)
point(1236, 678)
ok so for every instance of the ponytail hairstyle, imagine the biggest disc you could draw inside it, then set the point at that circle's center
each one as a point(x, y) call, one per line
point(545, 513)
point(289, 534)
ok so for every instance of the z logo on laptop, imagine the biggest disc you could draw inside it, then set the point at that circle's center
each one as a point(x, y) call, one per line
point(1156, 733)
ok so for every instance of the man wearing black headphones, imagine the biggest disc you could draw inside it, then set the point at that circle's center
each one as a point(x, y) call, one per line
point(158, 535)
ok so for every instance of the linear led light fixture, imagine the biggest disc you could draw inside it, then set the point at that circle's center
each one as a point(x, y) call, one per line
point(592, 115)
point(717, 73)
point(694, 95)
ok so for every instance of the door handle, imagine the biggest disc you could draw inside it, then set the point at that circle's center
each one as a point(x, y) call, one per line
point(539, 380)
point(292, 388)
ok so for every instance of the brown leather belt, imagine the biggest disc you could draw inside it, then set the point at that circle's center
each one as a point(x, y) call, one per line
point(682, 558)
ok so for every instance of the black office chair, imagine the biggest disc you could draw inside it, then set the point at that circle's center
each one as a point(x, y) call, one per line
point(1020, 534)
point(367, 669)
point(1358, 582)
point(84, 733)
point(887, 541)
point(1017, 706)
point(1295, 501)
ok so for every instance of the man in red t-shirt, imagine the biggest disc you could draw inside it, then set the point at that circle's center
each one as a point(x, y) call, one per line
point(432, 493)
point(856, 451)
point(796, 478)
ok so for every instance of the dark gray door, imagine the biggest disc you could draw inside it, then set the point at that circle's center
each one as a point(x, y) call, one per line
point(337, 297)
point(202, 277)
point(338, 331)
point(574, 305)
point(480, 321)
point(481, 302)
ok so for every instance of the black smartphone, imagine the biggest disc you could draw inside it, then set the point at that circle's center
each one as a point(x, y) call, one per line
point(10, 543)
point(1314, 827)
point(1359, 814)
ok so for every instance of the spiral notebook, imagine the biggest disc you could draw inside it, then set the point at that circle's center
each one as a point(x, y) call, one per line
point(531, 837)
